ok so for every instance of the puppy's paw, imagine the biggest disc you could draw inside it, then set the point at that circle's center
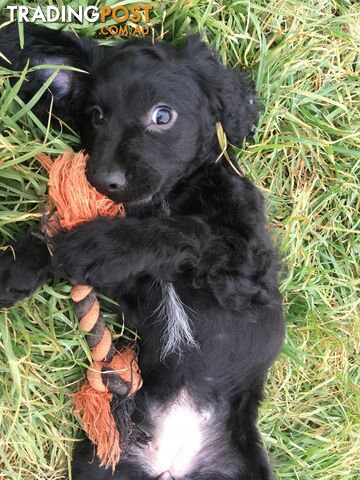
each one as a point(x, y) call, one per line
point(78, 253)
point(23, 268)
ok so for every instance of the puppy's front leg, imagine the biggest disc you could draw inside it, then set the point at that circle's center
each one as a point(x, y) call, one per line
point(108, 251)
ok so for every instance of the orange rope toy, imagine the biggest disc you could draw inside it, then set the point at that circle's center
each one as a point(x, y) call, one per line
point(72, 201)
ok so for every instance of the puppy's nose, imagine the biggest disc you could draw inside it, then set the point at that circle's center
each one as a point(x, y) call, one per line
point(115, 180)
point(111, 181)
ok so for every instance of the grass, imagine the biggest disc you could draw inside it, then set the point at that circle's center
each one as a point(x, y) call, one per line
point(304, 55)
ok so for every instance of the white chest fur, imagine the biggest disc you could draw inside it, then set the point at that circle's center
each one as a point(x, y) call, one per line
point(177, 439)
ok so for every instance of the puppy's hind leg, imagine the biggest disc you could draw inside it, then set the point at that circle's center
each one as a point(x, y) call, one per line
point(86, 466)
point(247, 438)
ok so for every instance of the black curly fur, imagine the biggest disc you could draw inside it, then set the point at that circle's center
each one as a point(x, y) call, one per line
point(190, 221)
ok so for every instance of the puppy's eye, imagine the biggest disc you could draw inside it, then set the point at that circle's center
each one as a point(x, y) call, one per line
point(97, 116)
point(159, 119)
point(161, 116)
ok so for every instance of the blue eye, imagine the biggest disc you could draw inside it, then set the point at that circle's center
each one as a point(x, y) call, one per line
point(161, 115)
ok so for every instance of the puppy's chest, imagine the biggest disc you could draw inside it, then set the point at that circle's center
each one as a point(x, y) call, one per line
point(178, 436)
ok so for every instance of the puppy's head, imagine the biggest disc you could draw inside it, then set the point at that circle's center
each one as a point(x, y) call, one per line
point(147, 113)
point(150, 118)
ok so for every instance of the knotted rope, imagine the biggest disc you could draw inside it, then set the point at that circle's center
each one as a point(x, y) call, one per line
point(112, 373)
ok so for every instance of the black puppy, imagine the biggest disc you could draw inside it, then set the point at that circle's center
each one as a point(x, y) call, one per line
point(191, 265)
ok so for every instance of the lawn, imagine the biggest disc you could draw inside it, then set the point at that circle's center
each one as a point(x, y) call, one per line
point(304, 157)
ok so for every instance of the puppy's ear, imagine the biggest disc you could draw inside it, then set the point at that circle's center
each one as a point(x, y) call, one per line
point(231, 93)
point(43, 46)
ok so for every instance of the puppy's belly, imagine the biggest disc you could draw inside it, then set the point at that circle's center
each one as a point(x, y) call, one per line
point(177, 438)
